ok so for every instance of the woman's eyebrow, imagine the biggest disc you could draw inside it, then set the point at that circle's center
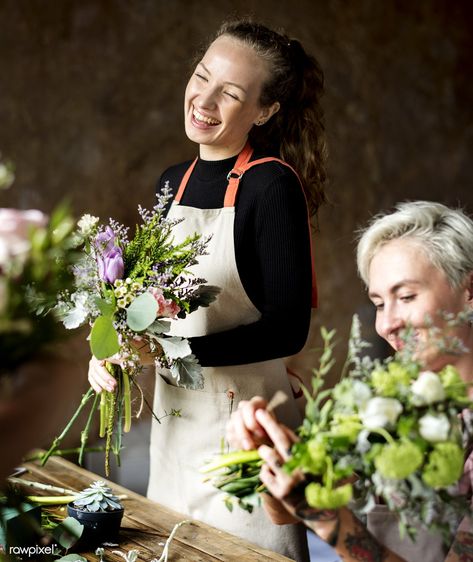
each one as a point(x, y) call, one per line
point(228, 83)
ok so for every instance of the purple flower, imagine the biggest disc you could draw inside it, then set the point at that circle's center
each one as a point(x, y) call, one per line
point(111, 266)
point(105, 241)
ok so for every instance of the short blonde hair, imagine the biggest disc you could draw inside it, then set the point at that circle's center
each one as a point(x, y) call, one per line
point(445, 234)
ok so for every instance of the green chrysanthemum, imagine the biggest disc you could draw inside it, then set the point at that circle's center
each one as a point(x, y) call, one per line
point(454, 387)
point(389, 382)
point(318, 454)
point(348, 426)
point(445, 465)
point(398, 460)
point(328, 498)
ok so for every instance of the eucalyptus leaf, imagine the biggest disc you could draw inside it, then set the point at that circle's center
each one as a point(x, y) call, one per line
point(67, 533)
point(174, 347)
point(142, 312)
point(188, 373)
point(72, 558)
point(104, 338)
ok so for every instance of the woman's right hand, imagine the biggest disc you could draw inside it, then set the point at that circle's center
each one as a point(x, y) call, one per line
point(99, 378)
point(243, 429)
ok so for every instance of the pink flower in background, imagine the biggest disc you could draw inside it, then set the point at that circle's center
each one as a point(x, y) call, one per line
point(167, 308)
point(14, 230)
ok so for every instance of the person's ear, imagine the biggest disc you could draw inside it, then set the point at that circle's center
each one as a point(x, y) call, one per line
point(469, 290)
point(267, 113)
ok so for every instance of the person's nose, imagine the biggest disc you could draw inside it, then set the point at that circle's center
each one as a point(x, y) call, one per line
point(207, 98)
point(390, 323)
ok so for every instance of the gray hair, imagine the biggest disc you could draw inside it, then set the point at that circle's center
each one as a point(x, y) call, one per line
point(445, 235)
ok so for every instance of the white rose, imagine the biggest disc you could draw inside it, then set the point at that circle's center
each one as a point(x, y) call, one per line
point(434, 427)
point(427, 389)
point(361, 393)
point(380, 412)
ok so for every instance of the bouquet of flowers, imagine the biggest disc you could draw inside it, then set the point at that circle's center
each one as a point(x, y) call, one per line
point(36, 253)
point(128, 290)
point(388, 430)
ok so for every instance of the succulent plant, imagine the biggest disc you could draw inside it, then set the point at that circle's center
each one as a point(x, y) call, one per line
point(98, 497)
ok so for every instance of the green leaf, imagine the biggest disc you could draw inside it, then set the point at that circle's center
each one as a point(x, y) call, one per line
point(72, 558)
point(142, 312)
point(67, 533)
point(188, 373)
point(174, 347)
point(104, 338)
point(105, 307)
point(159, 327)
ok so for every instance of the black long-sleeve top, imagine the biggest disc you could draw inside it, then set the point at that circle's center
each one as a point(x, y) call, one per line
point(272, 250)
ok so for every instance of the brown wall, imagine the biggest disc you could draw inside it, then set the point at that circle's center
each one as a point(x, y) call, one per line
point(91, 106)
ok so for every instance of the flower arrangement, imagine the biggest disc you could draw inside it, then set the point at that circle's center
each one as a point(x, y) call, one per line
point(388, 430)
point(129, 291)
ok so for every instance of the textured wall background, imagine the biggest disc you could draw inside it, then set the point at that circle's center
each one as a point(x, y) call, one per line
point(91, 106)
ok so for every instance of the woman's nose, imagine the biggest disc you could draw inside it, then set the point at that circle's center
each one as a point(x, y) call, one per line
point(391, 322)
point(207, 98)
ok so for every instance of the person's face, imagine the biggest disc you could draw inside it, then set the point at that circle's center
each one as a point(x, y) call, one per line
point(222, 98)
point(408, 290)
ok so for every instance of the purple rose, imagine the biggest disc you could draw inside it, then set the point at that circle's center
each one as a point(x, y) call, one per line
point(111, 266)
point(105, 241)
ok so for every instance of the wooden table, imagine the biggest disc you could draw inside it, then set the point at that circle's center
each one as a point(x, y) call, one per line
point(147, 525)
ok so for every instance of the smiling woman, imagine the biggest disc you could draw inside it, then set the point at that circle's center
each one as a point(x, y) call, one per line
point(252, 105)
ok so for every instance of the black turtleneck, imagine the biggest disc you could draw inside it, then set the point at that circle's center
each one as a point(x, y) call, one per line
point(272, 250)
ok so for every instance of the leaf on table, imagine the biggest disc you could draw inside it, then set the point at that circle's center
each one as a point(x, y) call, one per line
point(67, 533)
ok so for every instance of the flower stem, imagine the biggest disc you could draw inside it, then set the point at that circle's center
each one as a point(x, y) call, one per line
point(84, 435)
point(57, 441)
point(228, 459)
point(127, 400)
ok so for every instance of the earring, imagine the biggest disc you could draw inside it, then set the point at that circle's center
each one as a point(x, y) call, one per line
point(260, 122)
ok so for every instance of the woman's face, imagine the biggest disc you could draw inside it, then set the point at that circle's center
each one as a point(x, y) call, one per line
point(408, 290)
point(222, 98)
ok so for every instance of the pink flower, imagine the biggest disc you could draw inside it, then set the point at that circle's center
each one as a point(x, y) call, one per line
point(167, 308)
point(15, 226)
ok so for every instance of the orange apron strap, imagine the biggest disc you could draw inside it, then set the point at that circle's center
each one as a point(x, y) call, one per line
point(184, 181)
point(232, 190)
point(234, 175)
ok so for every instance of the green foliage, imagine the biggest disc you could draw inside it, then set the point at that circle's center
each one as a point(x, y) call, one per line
point(104, 338)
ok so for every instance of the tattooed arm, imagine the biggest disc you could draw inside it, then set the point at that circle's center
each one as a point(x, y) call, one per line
point(462, 546)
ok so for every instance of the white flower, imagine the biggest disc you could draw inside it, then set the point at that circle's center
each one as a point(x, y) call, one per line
point(361, 393)
point(434, 427)
point(77, 315)
point(87, 223)
point(380, 412)
point(428, 389)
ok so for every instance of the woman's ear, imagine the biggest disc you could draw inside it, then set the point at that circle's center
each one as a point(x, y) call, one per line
point(469, 289)
point(267, 113)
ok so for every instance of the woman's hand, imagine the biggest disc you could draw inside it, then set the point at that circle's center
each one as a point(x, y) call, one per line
point(99, 378)
point(243, 429)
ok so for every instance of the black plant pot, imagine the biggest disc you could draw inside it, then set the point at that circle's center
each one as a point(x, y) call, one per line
point(99, 527)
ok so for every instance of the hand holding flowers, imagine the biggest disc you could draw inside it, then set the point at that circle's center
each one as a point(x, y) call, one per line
point(397, 428)
point(130, 291)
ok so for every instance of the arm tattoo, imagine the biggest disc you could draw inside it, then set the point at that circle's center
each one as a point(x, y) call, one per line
point(365, 548)
point(463, 546)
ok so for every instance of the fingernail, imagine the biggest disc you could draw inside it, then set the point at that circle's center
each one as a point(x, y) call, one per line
point(246, 444)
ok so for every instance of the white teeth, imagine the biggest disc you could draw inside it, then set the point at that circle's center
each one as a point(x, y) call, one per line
point(199, 117)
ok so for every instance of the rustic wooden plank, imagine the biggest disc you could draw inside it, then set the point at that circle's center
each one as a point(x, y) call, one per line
point(146, 524)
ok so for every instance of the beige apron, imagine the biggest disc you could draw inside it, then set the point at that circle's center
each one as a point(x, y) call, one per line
point(181, 445)
point(428, 547)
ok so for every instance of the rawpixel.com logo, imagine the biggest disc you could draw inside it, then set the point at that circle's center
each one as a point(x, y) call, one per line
point(25, 552)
